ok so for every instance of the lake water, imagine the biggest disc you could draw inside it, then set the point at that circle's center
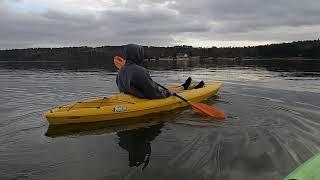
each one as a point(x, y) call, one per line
point(272, 124)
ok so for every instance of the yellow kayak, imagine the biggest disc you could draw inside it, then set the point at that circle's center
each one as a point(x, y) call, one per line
point(124, 106)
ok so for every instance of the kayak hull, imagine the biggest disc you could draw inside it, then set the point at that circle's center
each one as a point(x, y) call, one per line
point(124, 106)
point(309, 170)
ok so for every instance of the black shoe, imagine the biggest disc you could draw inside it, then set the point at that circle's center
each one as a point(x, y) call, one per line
point(200, 85)
point(187, 83)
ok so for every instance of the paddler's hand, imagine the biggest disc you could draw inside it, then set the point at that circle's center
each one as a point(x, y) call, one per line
point(172, 93)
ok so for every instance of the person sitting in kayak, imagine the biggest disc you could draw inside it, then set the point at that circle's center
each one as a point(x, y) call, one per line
point(134, 79)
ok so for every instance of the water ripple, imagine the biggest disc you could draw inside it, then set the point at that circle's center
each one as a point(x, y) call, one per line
point(272, 126)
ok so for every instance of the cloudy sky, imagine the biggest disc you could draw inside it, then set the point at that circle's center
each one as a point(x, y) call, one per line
point(205, 23)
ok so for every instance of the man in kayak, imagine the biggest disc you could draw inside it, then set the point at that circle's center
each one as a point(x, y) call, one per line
point(134, 79)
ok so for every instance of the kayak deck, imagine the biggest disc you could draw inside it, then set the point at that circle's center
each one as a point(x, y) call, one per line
point(309, 170)
point(124, 106)
point(98, 103)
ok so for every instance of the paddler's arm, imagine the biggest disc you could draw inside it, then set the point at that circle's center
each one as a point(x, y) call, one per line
point(148, 88)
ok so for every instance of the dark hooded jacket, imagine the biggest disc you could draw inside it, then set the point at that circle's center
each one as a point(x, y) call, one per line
point(133, 79)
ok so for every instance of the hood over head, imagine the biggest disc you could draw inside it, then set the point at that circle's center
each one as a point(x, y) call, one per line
point(134, 53)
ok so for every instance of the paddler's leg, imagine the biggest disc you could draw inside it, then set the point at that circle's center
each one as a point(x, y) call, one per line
point(196, 86)
point(186, 84)
point(177, 89)
point(182, 87)
point(200, 85)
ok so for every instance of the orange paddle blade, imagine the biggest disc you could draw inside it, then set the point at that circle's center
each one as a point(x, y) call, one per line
point(209, 110)
point(119, 62)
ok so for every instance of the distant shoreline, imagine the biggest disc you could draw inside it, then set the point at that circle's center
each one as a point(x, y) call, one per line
point(300, 50)
point(170, 59)
point(280, 59)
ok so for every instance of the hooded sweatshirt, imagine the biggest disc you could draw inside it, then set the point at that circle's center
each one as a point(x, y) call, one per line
point(133, 79)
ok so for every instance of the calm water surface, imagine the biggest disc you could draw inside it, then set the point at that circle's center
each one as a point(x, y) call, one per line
point(272, 125)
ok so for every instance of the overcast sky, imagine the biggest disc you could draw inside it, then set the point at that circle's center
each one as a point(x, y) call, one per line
point(206, 23)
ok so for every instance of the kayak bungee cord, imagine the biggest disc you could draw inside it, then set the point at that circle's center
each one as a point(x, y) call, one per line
point(114, 101)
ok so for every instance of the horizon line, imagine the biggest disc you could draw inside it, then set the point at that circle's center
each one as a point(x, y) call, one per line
point(182, 45)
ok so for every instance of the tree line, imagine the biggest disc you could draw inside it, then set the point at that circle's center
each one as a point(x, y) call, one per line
point(104, 54)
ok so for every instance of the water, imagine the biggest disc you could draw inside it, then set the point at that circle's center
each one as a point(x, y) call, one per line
point(272, 125)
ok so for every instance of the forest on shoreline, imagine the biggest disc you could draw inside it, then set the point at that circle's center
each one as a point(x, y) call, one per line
point(298, 49)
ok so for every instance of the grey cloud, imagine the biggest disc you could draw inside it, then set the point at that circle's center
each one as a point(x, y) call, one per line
point(153, 22)
point(53, 28)
point(218, 20)
point(247, 15)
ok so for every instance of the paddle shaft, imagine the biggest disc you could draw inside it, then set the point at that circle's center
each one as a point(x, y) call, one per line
point(173, 94)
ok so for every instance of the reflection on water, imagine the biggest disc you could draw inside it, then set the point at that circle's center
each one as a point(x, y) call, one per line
point(272, 124)
point(138, 144)
point(112, 126)
point(271, 65)
point(135, 135)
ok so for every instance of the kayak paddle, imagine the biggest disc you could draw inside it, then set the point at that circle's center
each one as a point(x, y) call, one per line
point(199, 107)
